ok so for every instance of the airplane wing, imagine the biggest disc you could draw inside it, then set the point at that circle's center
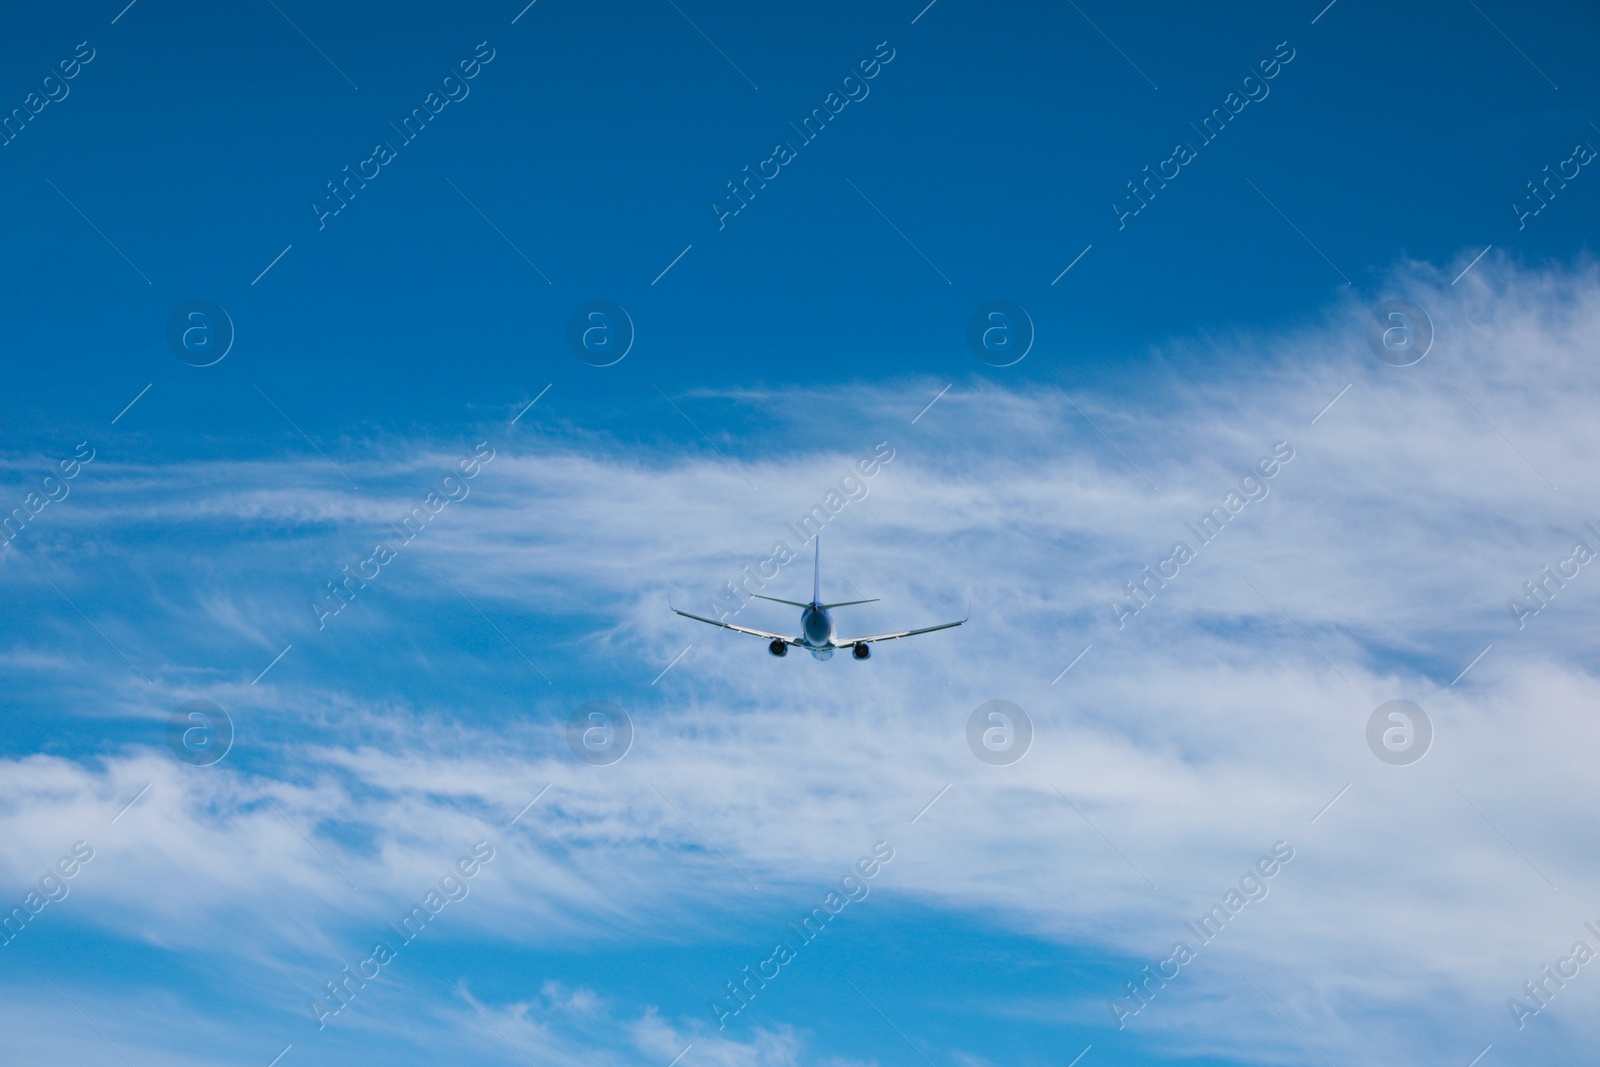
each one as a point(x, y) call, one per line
point(845, 642)
point(785, 638)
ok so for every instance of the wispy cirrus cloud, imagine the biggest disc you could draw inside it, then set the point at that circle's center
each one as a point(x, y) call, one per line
point(1224, 716)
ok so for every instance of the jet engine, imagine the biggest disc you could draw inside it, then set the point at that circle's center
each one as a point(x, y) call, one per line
point(778, 648)
point(860, 650)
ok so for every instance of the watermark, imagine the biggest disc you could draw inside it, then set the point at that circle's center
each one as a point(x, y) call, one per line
point(455, 89)
point(1539, 993)
point(1399, 332)
point(1251, 887)
point(1583, 153)
point(1542, 587)
point(1255, 90)
point(852, 887)
point(51, 888)
point(1139, 593)
point(600, 333)
point(853, 87)
point(600, 733)
point(199, 733)
point(452, 886)
point(55, 89)
point(452, 487)
point(200, 333)
point(1000, 333)
point(853, 486)
point(1399, 732)
point(52, 488)
point(999, 733)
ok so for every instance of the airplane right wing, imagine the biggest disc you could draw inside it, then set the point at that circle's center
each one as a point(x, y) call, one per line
point(840, 642)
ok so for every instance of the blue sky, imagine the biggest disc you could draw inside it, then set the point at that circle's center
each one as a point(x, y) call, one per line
point(185, 519)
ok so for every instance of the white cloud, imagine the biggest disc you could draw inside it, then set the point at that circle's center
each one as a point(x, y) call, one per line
point(1221, 719)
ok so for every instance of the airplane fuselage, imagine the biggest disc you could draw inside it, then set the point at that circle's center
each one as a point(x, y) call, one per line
point(816, 629)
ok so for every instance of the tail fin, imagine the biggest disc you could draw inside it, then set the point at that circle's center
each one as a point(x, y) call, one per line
point(816, 574)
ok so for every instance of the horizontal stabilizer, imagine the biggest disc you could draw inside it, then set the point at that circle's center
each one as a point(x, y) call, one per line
point(848, 603)
point(776, 600)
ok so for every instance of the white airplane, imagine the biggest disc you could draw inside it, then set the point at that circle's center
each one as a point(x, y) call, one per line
point(816, 625)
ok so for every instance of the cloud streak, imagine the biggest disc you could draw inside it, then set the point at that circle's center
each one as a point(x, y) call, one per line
point(1225, 714)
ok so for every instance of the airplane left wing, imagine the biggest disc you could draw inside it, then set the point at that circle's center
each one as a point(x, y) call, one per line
point(785, 638)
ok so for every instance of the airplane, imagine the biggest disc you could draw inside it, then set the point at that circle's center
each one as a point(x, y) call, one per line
point(816, 625)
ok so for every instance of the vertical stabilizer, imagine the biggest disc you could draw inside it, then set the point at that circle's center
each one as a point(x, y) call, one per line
point(816, 574)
